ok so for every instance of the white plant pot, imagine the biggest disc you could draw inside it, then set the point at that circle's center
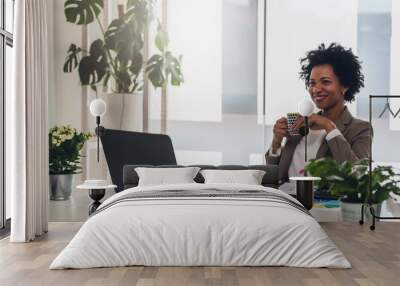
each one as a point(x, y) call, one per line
point(352, 212)
point(124, 111)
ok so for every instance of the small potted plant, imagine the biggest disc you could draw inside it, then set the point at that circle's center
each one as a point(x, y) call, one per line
point(65, 143)
point(350, 181)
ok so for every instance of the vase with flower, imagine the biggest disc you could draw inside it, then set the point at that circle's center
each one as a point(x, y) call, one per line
point(65, 144)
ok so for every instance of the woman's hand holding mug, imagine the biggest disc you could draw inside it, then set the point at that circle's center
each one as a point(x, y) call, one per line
point(280, 131)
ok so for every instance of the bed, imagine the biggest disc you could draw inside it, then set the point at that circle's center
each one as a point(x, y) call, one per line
point(197, 224)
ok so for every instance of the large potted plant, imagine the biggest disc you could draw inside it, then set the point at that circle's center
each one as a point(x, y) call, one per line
point(116, 59)
point(65, 144)
point(350, 182)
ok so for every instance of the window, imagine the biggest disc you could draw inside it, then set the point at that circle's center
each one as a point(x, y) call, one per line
point(6, 44)
point(212, 117)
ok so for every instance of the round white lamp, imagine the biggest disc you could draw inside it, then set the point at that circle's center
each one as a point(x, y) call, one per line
point(98, 108)
point(305, 107)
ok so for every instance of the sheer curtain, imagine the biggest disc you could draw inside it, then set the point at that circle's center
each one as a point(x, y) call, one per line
point(26, 124)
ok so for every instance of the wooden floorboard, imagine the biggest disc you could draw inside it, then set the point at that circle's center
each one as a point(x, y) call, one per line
point(374, 255)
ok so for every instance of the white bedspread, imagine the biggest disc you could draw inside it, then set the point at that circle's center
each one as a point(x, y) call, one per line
point(200, 231)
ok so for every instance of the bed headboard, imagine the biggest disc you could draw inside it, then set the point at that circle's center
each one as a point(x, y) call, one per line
point(270, 179)
point(128, 147)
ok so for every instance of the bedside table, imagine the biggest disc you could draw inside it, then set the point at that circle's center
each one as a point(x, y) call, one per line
point(305, 190)
point(96, 193)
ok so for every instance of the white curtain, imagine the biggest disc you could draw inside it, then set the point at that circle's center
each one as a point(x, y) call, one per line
point(26, 119)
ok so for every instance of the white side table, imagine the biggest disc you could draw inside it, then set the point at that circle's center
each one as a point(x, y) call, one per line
point(96, 193)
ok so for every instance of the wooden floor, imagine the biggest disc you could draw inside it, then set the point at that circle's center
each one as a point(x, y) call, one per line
point(375, 257)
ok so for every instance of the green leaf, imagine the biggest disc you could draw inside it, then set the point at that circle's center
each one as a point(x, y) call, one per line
point(334, 178)
point(124, 54)
point(123, 81)
point(141, 12)
point(71, 61)
point(379, 196)
point(91, 71)
point(82, 12)
point(173, 69)
point(93, 67)
point(162, 67)
point(154, 70)
point(97, 48)
point(122, 38)
point(161, 40)
point(113, 33)
point(136, 63)
point(106, 78)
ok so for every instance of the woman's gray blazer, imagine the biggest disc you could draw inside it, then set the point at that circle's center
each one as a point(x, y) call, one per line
point(352, 145)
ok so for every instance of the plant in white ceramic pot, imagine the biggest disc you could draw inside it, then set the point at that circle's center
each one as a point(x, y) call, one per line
point(65, 144)
point(116, 60)
point(350, 181)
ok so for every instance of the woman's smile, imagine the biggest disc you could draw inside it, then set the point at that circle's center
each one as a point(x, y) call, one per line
point(318, 99)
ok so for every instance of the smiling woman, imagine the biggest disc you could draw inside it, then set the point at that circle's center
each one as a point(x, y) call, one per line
point(333, 76)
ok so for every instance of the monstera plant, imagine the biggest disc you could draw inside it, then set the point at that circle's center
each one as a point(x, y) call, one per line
point(116, 59)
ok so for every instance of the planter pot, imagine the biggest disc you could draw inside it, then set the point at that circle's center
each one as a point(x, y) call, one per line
point(60, 186)
point(352, 211)
point(124, 111)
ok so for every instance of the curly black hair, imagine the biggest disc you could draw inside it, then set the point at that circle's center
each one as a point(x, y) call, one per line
point(345, 64)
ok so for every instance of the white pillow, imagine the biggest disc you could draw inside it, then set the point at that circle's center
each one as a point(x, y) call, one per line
point(248, 177)
point(165, 176)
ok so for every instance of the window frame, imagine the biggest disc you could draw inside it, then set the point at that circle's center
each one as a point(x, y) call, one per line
point(6, 39)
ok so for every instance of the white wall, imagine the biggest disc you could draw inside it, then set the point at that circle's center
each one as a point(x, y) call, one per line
point(66, 90)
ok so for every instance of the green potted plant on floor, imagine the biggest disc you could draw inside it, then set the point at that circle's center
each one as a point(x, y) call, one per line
point(65, 144)
point(350, 181)
point(116, 60)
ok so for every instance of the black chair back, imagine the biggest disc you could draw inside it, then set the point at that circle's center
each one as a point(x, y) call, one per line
point(135, 148)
